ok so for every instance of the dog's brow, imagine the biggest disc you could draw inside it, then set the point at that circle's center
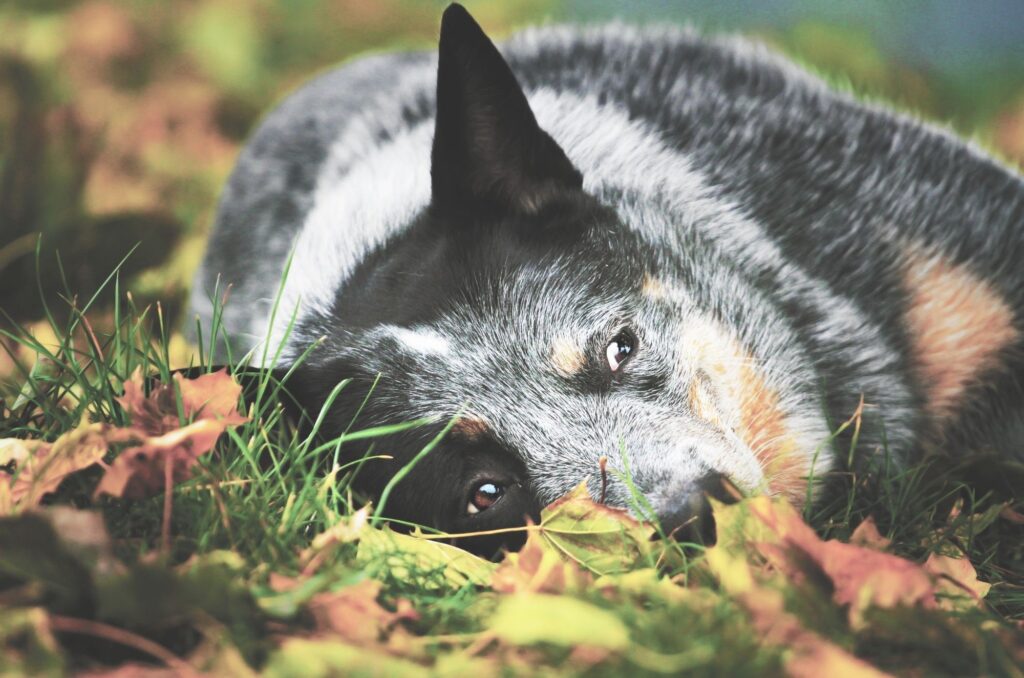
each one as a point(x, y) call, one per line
point(421, 340)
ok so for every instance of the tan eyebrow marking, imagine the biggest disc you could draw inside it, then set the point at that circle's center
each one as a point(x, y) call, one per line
point(653, 287)
point(567, 357)
point(471, 428)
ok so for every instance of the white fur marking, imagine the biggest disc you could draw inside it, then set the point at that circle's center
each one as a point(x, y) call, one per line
point(425, 341)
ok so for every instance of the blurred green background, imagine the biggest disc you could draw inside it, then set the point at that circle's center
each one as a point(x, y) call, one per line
point(120, 119)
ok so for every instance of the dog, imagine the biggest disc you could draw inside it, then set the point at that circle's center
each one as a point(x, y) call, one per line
point(639, 257)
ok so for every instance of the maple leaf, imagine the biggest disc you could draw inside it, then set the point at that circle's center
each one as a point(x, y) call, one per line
point(861, 578)
point(38, 467)
point(957, 582)
point(354, 613)
point(538, 568)
point(809, 654)
point(600, 538)
point(406, 554)
point(867, 534)
point(533, 618)
point(166, 449)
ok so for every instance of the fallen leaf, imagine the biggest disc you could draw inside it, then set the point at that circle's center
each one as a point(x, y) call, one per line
point(532, 618)
point(861, 578)
point(38, 467)
point(645, 584)
point(599, 538)
point(538, 568)
point(956, 582)
point(405, 555)
point(867, 535)
point(164, 446)
point(960, 530)
point(1008, 513)
point(354, 614)
point(27, 645)
point(302, 657)
point(809, 654)
point(325, 545)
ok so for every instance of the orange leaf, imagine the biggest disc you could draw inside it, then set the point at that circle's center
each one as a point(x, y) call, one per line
point(211, 396)
point(867, 534)
point(354, 613)
point(862, 577)
point(809, 655)
point(538, 569)
point(138, 471)
point(957, 581)
point(40, 467)
point(211, 400)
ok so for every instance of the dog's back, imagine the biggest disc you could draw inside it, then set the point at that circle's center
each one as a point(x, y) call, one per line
point(890, 247)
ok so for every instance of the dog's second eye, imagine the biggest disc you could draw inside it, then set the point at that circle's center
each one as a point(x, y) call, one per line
point(619, 349)
point(484, 497)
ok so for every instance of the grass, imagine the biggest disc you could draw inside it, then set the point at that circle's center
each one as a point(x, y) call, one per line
point(256, 515)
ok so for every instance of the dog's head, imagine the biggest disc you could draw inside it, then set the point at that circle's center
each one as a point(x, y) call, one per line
point(526, 318)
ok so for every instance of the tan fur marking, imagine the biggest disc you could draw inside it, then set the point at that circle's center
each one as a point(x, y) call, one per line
point(958, 325)
point(470, 428)
point(652, 287)
point(757, 417)
point(703, 402)
point(566, 357)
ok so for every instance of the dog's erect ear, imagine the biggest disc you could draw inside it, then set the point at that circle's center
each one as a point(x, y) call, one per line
point(488, 149)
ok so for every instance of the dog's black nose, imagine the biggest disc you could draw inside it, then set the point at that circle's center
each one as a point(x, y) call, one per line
point(688, 518)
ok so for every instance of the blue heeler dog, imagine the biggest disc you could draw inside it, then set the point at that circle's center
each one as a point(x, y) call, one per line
point(686, 255)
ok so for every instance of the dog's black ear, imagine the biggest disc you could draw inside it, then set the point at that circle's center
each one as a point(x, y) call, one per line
point(488, 149)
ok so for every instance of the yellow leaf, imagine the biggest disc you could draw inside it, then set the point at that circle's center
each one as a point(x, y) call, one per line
point(532, 618)
point(957, 582)
point(600, 538)
point(406, 555)
point(40, 467)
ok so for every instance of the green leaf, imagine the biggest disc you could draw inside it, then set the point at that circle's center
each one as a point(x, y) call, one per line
point(602, 539)
point(27, 648)
point(313, 658)
point(406, 556)
point(529, 619)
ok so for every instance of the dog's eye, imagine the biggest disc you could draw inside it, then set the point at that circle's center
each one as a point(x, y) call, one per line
point(619, 349)
point(484, 496)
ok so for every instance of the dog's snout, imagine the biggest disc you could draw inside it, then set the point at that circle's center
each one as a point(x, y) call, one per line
point(686, 515)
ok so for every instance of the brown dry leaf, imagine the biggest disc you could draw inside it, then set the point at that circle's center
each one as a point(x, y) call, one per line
point(1008, 513)
point(867, 535)
point(956, 582)
point(164, 446)
point(210, 396)
point(861, 577)
point(810, 655)
point(537, 568)
point(40, 467)
point(213, 395)
point(354, 613)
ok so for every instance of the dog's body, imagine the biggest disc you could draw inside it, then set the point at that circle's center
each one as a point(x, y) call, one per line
point(762, 251)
